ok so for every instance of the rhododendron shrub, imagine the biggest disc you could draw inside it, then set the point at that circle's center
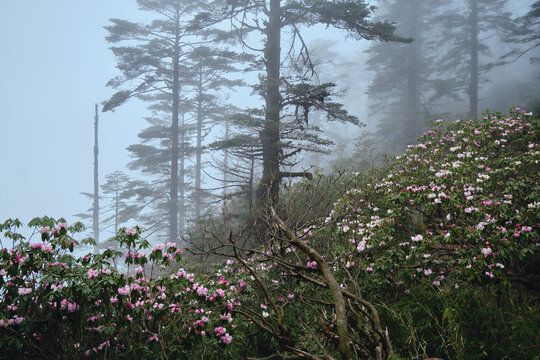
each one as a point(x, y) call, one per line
point(462, 206)
point(57, 303)
point(448, 229)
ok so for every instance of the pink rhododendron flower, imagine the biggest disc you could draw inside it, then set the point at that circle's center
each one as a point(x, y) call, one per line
point(157, 247)
point(168, 256)
point(226, 338)
point(72, 307)
point(124, 290)
point(24, 291)
point(16, 320)
point(202, 291)
point(56, 287)
point(92, 273)
point(486, 251)
point(45, 230)
point(94, 318)
point(417, 238)
point(131, 232)
point(220, 330)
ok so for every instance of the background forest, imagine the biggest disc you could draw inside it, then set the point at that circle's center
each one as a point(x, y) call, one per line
point(291, 199)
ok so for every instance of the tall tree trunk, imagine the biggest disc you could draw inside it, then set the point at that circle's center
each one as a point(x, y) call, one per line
point(225, 169)
point(199, 147)
point(116, 206)
point(473, 81)
point(250, 184)
point(95, 215)
point(182, 180)
point(269, 186)
point(173, 201)
point(413, 57)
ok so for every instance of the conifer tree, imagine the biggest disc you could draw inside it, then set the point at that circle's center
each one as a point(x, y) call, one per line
point(152, 157)
point(468, 24)
point(269, 19)
point(119, 209)
point(209, 67)
point(524, 35)
point(405, 87)
point(150, 58)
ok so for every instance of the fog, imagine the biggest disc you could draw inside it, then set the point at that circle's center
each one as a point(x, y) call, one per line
point(56, 62)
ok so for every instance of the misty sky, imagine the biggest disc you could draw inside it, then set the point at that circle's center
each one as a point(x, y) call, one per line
point(55, 63)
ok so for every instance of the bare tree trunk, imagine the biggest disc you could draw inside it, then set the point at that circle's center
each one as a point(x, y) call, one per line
point(198, 149)
point(95, 215)
point(473, 83)
point(225, 167)
point(250, 184)
point(116, 206)
point(182, 179)
point(413, 56)
point(173, 200)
